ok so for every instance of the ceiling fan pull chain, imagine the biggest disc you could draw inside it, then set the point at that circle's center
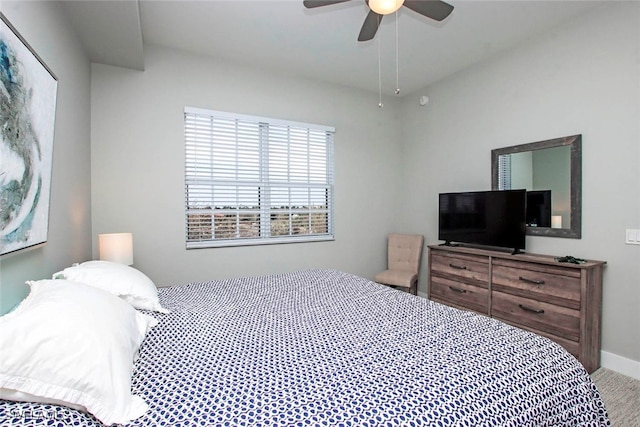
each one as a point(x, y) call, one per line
point(397, 61)
point(380, 105)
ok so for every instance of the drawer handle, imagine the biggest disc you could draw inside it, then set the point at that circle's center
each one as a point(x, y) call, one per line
point(533, 281)
point(458, 290)
point(532, 310)
point(458, 267)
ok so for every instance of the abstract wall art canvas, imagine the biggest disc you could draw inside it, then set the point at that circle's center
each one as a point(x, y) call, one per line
point(28, 91)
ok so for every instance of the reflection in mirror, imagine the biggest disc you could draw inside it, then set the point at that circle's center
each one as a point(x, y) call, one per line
point(550, 171)
point(545, 176)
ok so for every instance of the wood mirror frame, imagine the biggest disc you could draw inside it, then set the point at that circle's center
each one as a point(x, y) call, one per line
point(574, 143)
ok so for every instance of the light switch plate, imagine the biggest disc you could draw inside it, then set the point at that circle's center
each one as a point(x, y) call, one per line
point(632, 236)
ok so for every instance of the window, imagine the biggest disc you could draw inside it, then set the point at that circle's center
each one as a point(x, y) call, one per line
point(253, 180)
point(504, 172)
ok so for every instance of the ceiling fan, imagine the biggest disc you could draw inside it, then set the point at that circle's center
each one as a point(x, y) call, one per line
point(434, 9)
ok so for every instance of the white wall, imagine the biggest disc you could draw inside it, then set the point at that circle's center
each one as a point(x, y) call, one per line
point(553, 172)
point(522, 170)
point(137, 138)
point(583, 78)
point(46, 29)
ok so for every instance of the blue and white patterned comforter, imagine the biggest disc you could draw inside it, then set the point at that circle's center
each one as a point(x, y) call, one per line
point(323, 347)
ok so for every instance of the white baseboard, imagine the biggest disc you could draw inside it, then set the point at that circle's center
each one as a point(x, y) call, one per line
point(622, 365)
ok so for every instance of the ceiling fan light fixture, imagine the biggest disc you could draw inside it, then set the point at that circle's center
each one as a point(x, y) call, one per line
point(385, 7)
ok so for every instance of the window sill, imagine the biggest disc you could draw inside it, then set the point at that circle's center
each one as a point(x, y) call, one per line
point(257, 242)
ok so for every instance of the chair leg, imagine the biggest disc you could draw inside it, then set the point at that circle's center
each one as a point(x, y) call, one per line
point(413, 289)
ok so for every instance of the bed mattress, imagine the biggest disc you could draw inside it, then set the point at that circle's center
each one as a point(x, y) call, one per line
point(323, 347)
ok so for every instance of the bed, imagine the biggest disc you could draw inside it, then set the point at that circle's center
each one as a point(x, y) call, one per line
point(323, 347)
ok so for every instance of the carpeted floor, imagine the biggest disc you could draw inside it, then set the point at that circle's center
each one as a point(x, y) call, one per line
point(621, 395)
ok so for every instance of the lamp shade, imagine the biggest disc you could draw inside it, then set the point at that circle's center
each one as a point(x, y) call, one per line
point(116, 247)
point(556, 221)
point(385, 7)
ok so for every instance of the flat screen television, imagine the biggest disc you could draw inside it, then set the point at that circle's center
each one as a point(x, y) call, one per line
point(483, 218)
point(539, 208)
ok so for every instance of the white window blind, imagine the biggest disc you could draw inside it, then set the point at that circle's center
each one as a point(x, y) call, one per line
point(504, 172)
point(254, 180)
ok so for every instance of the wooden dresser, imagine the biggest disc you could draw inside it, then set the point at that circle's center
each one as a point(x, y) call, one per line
point(561, 301)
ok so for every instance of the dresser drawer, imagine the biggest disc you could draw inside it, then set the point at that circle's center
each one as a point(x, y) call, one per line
point(529, 313)
point(467, 268)
point(554, 285)
point(572, 347)
point(462, 295)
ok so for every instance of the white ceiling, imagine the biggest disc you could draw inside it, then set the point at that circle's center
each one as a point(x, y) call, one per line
point(284, 37)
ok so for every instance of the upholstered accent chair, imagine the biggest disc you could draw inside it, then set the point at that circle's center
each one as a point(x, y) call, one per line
point(404, 252)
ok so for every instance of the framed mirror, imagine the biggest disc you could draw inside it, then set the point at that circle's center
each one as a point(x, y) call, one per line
point(551, 172)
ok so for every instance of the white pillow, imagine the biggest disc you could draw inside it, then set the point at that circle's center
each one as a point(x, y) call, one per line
point(126, 282)
point(72, 344)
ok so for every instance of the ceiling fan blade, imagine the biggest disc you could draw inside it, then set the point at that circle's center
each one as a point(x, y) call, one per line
point(310, 4)
point(370, 26)
point(434, 9)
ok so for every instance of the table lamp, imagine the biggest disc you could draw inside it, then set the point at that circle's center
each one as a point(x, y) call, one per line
point(116, 247)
